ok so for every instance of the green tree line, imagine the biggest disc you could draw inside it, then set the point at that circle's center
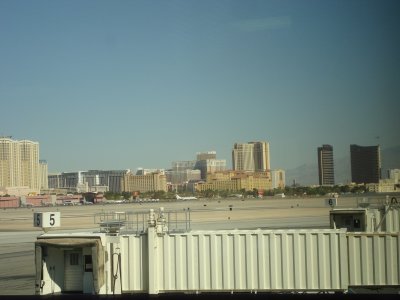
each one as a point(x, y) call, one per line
point(288, 191)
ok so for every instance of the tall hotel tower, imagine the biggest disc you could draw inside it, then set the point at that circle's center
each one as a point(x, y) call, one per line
point(326, 172)
point(365, 164)
point(253, 156)
point(19, 163)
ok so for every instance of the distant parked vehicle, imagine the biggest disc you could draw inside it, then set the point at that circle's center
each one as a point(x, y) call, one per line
point(282, 195)
point(84, 202)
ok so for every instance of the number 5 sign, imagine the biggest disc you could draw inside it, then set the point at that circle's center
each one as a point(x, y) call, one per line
point(46, 219)
point(332, 202)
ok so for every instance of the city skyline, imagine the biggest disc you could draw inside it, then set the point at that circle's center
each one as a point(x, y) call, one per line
point(131, 84)
point(20, 163)
point(198, 155)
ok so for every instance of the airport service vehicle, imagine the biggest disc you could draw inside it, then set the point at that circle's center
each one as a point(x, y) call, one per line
point(185, 198)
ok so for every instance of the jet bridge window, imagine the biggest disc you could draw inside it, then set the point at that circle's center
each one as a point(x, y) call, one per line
point(353, 220)
point(347, 221)
point(357, 223)
point(88, 263)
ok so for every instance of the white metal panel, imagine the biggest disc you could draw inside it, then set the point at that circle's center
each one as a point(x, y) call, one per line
point(134, 263)
point(374, 259)
point(252, 260)
point(392, 220)
point(53, 270)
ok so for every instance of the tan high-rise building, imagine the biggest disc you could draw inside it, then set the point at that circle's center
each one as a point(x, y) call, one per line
point(253, 156)
point(9, 162)
point(29, 152)
point(19, 164)
point(43, 175)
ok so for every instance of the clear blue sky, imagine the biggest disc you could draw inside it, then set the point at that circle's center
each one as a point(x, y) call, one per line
point(127, 84)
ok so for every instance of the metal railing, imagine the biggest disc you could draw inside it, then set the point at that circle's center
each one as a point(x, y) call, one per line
point(178, 221)
point(113, 222)
point(378, 203)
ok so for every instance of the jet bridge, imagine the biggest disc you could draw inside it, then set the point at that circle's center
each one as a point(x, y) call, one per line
point(155, 259)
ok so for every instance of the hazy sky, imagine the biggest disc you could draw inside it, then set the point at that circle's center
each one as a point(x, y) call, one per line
point(127, 84)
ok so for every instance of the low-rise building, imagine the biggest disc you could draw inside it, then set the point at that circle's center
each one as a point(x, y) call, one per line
point(236, 181)
point(384, 186)
point(85, 181)
point(144, 183)
point(389, 185)
point(16, 191)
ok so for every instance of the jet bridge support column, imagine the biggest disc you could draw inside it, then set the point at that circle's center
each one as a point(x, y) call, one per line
point(152, 253)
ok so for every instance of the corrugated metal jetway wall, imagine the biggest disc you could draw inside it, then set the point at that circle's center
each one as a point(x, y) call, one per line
point(134, 263)
point(248, 260)
point(392, 220)
point(312, 260)
point(259, 260)
point(374, 259)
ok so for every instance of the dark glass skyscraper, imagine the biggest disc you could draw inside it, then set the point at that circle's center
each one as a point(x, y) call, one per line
point(326, 172)
point(365, 164)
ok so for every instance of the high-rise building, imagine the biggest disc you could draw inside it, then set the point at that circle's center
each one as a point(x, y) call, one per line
point(207, 162)
point(278, 179)
point(365, 164)
point(207, 166)
point(29, 152)
point(180, 171)
point(326, 172)
point(9, 162)
point(43, 175)
point(253, 156)
point(183, 165)
point(206, 155)
point(184, 171)
point(19, 164)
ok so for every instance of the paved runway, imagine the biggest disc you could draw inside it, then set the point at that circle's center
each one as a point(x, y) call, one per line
point(17, 234)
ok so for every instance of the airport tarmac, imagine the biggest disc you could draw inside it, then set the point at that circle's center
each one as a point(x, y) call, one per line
point(17, 234)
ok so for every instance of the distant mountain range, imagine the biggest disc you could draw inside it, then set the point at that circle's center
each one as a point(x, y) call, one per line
point(307, 174)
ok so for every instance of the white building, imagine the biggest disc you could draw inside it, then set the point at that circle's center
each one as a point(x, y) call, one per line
point(394, 174)
point(43, 175)
point(278, 179)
